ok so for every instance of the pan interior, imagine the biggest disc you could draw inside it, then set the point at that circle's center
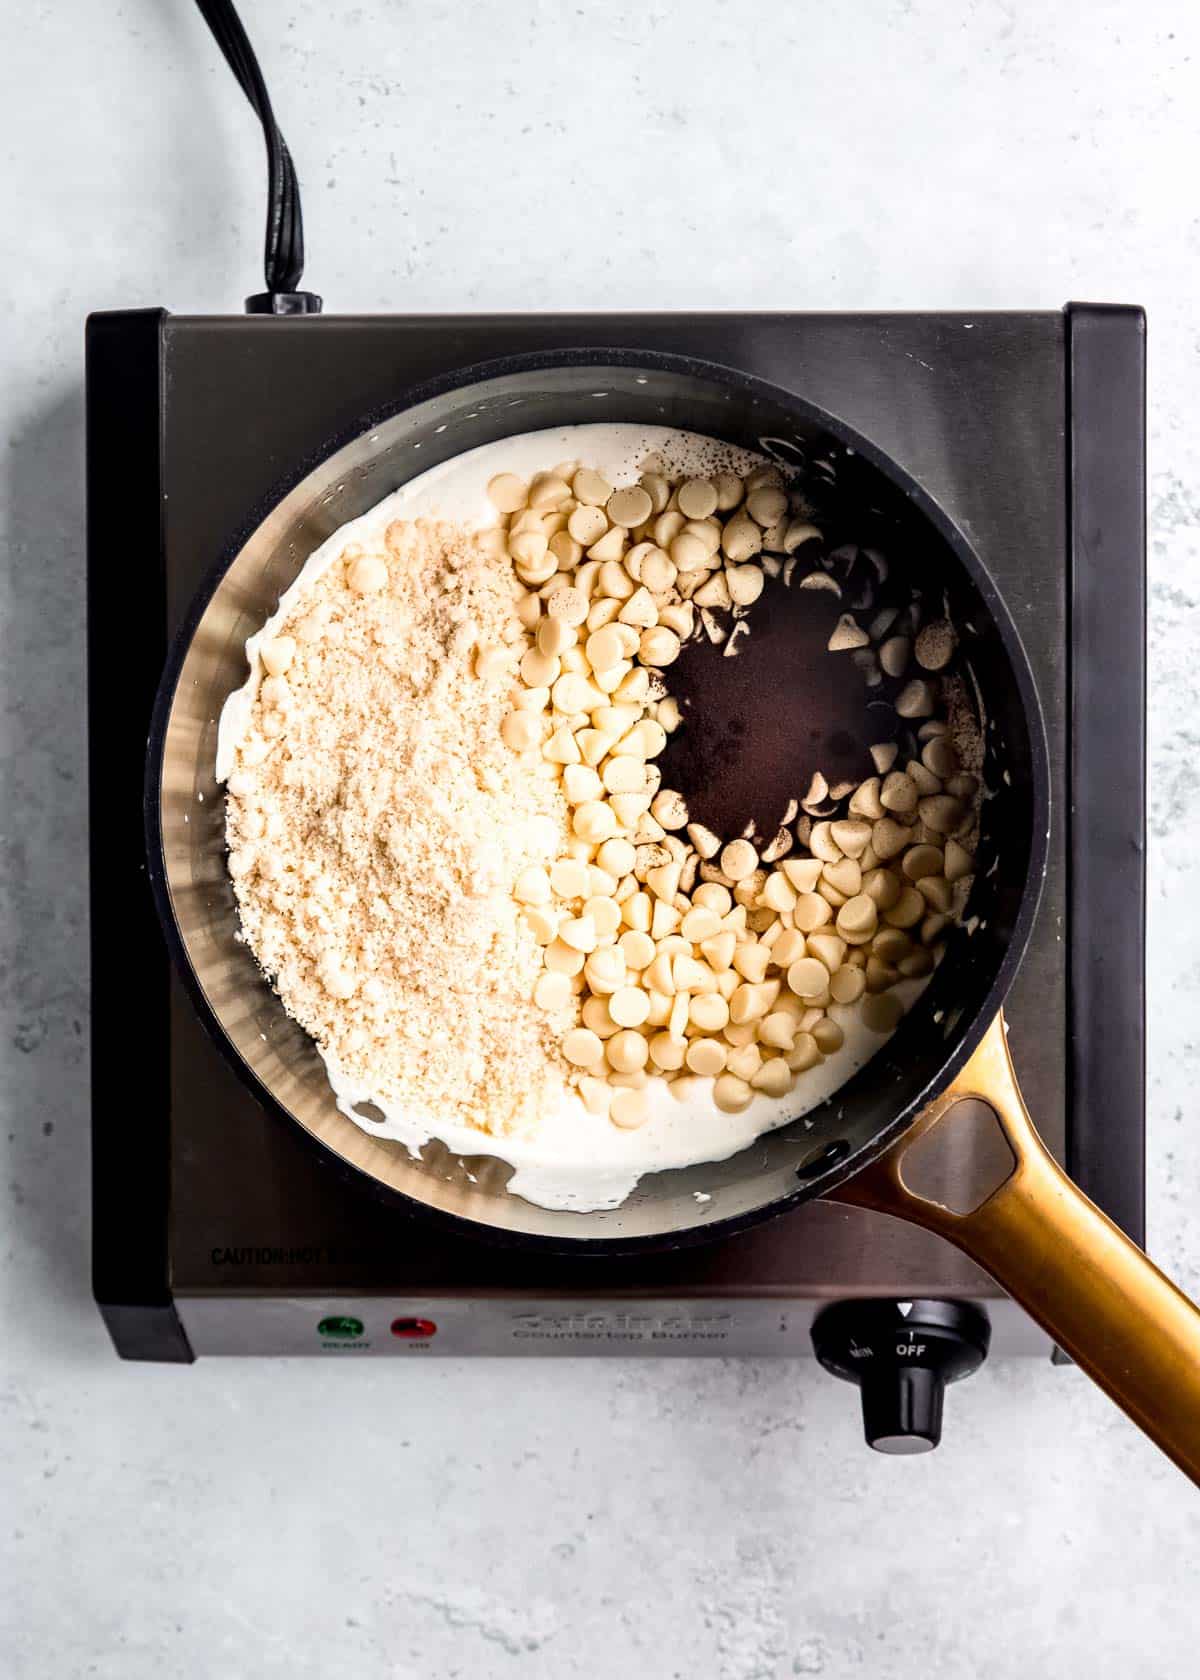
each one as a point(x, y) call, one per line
point(870, 497)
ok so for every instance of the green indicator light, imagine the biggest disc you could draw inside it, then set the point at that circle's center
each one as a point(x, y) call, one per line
point(343, 1328)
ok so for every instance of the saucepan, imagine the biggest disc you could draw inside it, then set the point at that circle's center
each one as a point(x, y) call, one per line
point(880, 1142)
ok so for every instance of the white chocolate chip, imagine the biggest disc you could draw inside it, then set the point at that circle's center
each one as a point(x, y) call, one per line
point(739, 860)
point(828, 1036)
point(706, 1056)
point(798, 532)
point(779, 893)
point(582, 1048)
point(658, 646)
point(812, 911)
point(629, 507)
point(883, 886)
point(562, 747)
point(697, 498)
point(579, 932)
point(604, 648)
point(594, 821)
point(626, 1051)
point(591, 488)
point(569, 878)
point(846, 986)
point(587, 524)
point(773, 1078)
point(745, 584)
point(851, 836)
point(563, 957)
point(629, 1006)
point(898, 794)
point(597, 1094)
point(916, 699)
point(605, 970)
point(808, 977)
point(639, 610)
point(889, 838)
point(542, 923)
point(893, 655)
point(547, 491)
point(730, 491)
point(940, 758)
point(959, 862)
point(569, 604)
point(713, 593)
point(669, 809)
point(507, 493)
point(555, 636)
point(566, 551)
point(921, 861)
point(581, 784)
point(277, 654)
point(731, 1094)
point(637, 949)
point(680, 618)
point(803, 873)
point(367, 575)
point(941, 813)
point(882, 1012)
point(857, 918)
point(908, 910)
point(822, 844)
point(750, 960)
point(936, 891)
point(767, 505)
point(741, 539)
point(573, 693)
point(847, 633)
point(935, 645)
point(538, 670)
point(610, 548)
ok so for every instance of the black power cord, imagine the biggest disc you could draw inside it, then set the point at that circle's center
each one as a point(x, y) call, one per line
point(283, 262)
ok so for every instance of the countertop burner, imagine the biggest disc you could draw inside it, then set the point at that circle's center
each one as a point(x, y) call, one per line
point(218, 1228)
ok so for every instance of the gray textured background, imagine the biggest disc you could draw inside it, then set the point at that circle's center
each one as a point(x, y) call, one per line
point(571, 1518)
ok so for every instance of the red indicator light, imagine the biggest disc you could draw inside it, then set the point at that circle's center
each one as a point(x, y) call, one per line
point(414, 1329)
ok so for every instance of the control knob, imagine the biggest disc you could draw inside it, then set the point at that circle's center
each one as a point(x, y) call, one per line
point(901, 1354)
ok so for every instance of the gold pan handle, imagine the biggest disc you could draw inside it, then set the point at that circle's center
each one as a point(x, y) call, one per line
point(1082, 1279)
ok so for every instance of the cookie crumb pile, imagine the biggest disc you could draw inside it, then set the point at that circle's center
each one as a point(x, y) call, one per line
point(377, 821)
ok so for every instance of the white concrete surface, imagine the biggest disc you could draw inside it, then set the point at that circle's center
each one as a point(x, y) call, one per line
point(642, 1519)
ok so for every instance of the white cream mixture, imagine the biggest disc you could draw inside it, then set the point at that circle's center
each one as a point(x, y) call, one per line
point(576, 1161)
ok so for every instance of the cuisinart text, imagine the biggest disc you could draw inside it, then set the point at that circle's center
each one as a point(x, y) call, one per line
point(621, 1326)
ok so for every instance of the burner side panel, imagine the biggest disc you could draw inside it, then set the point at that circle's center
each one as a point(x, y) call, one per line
point(1107, 882)
point(126, 649)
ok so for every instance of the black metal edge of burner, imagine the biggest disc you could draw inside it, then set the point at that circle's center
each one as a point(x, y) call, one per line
point(126, 646)
point(1106, 870)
